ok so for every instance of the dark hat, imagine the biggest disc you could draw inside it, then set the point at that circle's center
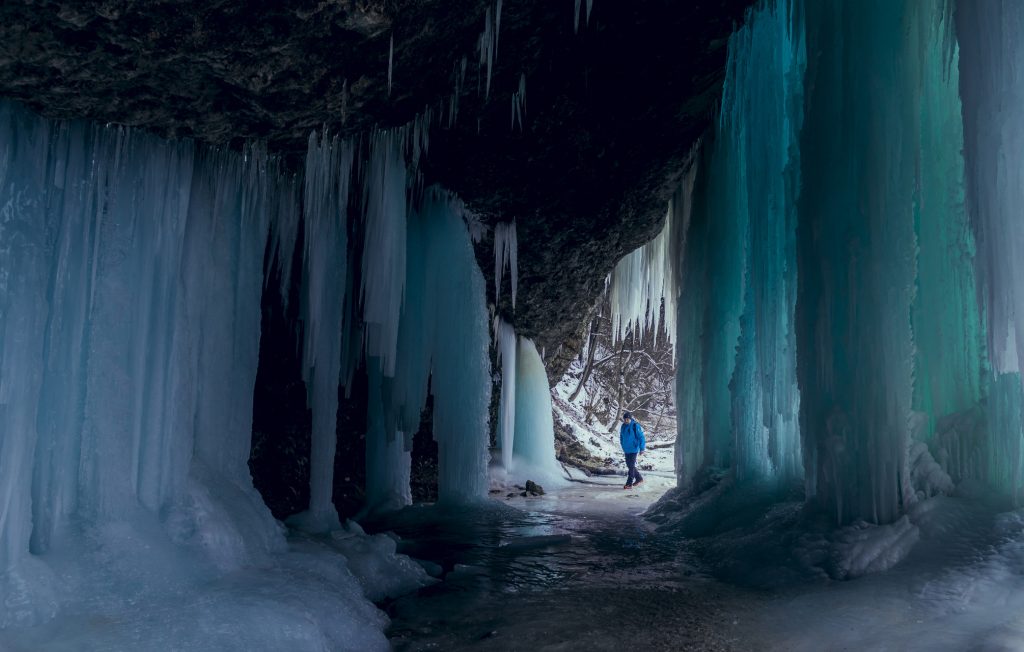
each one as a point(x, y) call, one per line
point(627, 415)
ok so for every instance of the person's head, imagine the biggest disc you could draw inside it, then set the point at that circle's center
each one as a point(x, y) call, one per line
point(627, 417)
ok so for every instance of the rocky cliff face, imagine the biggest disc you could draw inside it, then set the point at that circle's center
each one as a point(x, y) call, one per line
point(613, 103)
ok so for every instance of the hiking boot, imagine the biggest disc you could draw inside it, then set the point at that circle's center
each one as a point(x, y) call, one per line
point(638, 483)
point(628, 487)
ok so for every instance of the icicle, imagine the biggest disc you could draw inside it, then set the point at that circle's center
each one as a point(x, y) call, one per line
point(637, 287)
point(506, 252)
point(325, 284)
point(383, 260)
point(391, 60)
point(486, 47)
point(576, 17)
point(519, 103)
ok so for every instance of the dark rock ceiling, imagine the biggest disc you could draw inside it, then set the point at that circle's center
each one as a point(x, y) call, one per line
point(611, 112)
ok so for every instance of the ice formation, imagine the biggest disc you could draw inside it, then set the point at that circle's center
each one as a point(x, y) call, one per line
point(132, 270)
point(505, 342)
point(506, 254)
point(391, 60)
point(326, 276)
point(519, 103)
point(487, 45)
point(796, 357)
point(454, 313)
point(534, 445)
point(736, 379)
point(990, 52)
point(639, 284)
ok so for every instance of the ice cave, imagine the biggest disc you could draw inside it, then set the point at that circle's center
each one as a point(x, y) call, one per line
point(535, 325)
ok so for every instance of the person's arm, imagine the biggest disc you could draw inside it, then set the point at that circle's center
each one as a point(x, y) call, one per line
point(643, 440)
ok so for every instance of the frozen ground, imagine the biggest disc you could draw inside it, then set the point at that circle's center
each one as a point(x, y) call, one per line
point(576, 569)
point(580, 568)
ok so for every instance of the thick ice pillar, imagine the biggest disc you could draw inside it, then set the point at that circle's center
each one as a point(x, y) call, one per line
point(326, 320)
point(856, 247)
point(505, 341)
point(534, 446)
point(461, 375)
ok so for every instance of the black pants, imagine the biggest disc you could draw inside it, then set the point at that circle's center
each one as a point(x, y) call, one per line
point(633, 476)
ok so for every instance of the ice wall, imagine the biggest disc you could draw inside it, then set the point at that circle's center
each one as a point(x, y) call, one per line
point(130, 316)
point(736, 379)
point(950, 365)
point(873, 192)
point(991, 56)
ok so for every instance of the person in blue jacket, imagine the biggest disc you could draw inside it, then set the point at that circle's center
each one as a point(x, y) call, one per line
point(631, 438)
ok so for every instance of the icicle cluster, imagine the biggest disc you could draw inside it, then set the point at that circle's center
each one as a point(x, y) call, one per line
point(576, 13)
point(640, 283)
point(506, 254)
point(488, 45)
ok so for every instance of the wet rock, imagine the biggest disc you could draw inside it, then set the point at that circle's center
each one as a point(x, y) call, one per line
point(534, 489)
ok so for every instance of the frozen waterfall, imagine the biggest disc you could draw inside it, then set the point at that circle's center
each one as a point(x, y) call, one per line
point(132, 272)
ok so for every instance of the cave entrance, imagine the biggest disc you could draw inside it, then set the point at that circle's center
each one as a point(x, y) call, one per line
point(617, 371)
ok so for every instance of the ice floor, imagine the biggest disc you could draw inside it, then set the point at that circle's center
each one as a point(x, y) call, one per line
point(581, 569)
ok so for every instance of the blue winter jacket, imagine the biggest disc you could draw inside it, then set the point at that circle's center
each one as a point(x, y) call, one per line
point(631, 437)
